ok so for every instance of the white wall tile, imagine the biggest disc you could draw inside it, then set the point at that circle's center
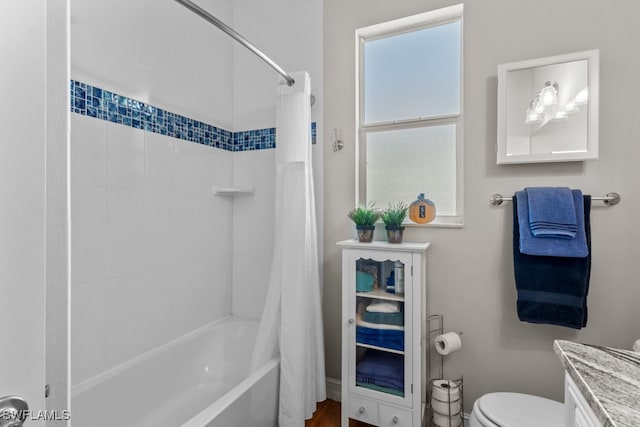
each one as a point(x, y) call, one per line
point(253, 240)
point(182, 208)
point(158, 236)
point(88, 320)
point(88, 234)
point(158, 162)
point(216, 233)
point(128, 326)
point(125, 214)
point(255, 168)
point(88, 152)
point(250, 284)
point(217, 168)
point(125, 157)
point(188, 166)
point(221, 270)
point(253, 237)
point(163, 285)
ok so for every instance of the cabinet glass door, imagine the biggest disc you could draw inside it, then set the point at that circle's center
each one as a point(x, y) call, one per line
point(379, 342)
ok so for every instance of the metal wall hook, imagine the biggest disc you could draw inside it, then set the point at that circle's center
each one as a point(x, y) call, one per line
point(337, 143)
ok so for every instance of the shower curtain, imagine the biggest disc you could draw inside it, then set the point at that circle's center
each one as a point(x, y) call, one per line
point(291, 323)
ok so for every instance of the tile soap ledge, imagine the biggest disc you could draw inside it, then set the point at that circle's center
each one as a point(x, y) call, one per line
point(608, 378)
point(233, 191)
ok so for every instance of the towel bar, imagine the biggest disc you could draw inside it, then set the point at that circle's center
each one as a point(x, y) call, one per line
point(610, 199)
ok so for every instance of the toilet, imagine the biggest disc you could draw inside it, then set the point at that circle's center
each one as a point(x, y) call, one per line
point(516, 410)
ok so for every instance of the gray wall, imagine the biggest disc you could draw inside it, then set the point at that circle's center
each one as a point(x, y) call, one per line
point(470, 269)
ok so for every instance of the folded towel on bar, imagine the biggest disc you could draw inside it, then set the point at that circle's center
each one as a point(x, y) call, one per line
point(552, 289)
point(552, 212)
point(381, 369)
point(384, 307)
point(548, 245)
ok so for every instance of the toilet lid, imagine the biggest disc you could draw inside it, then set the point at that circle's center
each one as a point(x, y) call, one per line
point(521, 410)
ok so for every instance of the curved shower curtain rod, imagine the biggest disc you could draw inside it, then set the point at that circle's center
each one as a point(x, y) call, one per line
point(231, 32)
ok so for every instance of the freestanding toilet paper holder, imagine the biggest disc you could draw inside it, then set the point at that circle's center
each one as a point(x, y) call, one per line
point(444, 399)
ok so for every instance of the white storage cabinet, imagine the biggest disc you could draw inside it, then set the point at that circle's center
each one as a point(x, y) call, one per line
point(383, 354)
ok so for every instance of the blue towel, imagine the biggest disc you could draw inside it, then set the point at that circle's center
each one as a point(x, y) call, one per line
point(386, 338)
point(551, 212)
point(552, 289)
point(381, 369)
point(551, 246)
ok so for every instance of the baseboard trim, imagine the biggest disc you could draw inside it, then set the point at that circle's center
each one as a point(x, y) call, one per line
point(334, 389)
point(334, 392)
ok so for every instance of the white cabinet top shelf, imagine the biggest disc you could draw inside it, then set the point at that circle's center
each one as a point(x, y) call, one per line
point(383, 245)
point(233, 191)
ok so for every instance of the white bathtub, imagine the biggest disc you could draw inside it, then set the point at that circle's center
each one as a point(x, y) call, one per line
point(196, 381)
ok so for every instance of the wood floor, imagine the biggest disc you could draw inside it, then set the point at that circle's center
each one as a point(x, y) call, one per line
point(328, 415)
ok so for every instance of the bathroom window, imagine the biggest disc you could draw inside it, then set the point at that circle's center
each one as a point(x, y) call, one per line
point(409, 112)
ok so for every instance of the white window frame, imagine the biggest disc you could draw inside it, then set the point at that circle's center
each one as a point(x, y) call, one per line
point(392, 28)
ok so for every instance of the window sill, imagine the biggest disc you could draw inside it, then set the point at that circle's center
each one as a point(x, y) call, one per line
point(439, 222)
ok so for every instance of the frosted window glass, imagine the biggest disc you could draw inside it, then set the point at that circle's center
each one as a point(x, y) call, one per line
point(411, 75)
point(403, 163)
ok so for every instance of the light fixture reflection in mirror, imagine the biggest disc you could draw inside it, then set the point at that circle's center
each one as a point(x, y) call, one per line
point(547, 109)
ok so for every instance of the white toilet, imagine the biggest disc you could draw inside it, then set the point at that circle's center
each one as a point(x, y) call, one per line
point(516, 410)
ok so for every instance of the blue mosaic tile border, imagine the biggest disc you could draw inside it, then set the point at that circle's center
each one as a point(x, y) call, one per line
point(258, 139)
point(105, 105)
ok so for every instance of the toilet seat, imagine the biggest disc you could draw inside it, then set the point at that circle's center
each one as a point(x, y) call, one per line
point(518, 410)
point(478, 419)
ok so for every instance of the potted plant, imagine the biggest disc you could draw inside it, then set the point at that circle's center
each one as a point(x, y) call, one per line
point(365, 218)
point(393, 217)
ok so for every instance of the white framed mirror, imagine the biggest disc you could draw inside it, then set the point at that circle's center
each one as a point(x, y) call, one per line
point(548, 109)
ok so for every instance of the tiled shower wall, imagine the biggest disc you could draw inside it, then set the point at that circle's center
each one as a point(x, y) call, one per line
point(154, 254)
point(151, 244)
point(150, 252)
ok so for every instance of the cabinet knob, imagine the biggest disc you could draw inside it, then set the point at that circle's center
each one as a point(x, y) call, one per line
point(351, 321)
point(395, 420)
point(361, 410)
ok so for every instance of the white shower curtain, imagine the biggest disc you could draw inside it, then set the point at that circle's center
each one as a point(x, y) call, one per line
point(291, 323)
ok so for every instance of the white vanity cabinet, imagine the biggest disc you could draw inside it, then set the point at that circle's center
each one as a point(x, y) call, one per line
point(577, 410)
point(383, 332)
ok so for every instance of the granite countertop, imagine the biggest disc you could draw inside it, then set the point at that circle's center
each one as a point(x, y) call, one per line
point(608, 378)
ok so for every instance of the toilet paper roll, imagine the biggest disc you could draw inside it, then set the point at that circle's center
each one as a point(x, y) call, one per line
point(446, 408)
point(445, 421)
point(445, 391)
point(636, 346)
point(448, 343)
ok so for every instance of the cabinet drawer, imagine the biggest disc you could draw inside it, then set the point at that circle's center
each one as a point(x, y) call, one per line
point(394, 417)
point(363, 409)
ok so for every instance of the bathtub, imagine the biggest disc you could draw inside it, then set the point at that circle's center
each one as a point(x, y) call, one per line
point(200, 380)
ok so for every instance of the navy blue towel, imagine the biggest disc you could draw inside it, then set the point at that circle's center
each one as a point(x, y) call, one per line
point(552, 289)
point(387, 338)
point(381, 369)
